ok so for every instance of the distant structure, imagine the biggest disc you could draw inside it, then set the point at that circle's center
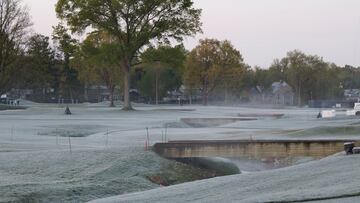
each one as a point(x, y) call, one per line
point(352, 94)
point(93, 93)
point(185, 94)
point(99, 93)
point(280, 93)
point(67, 111)
point(257, 94)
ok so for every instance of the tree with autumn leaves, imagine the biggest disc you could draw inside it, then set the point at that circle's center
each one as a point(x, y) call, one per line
point(213, 64)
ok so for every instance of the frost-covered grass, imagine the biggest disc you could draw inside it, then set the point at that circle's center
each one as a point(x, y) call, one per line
point(4, 107)
point(108, 156)
point(328, 179)
point(337, 131)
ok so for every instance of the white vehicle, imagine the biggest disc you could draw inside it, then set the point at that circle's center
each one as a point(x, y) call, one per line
point(355, 111)
point(328, 114)
point(357, 106)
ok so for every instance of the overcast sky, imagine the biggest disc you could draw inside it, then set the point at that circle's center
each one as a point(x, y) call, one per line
point(264, 29)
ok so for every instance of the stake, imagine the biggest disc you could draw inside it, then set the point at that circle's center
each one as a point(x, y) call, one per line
point(70, 145)
point(57, 138)
point(107, 137)
point(12, 133)
point(147, 142)
point(166, 125)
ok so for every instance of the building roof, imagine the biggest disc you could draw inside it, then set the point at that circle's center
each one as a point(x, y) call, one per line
point(281, 88)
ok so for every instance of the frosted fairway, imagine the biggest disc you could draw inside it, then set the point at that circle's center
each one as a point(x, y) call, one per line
point(329, 180)
point(107, 153)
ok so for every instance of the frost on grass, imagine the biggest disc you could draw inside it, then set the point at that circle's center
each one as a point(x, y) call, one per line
point(108, 156)
point(330, 178)
point(86, 175)
point(72, 130)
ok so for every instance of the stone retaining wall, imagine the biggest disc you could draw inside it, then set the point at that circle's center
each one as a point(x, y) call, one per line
point(250, 149)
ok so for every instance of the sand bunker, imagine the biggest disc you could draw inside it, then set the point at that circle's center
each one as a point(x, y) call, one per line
point(212, 122)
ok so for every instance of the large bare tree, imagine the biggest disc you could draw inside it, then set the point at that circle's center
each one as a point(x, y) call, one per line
point(14, 24)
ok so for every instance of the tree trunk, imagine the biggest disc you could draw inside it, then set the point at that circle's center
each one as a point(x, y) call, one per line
point(111, 96)
point(205, 93)
point(127, 103)
point(71, 94)
point(157, 87)
point(99, 94)
point(205, 98)
point(190, 99)
point(226, 102)
point(86, 93)
point(43, 94)
point(299, 94)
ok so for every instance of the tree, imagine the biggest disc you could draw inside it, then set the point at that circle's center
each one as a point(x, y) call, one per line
point(309, 75)
point(41, 59)
point(277, 71)
point(133, 23)
point(38, 69)
point(14, 24)
point(261, 77)
point(98, 54)
point(163, 66)
point(67, 47)
point(233, 69)
point(350, 77)
point(297, 70)
point(212, 64)
point(202, 67)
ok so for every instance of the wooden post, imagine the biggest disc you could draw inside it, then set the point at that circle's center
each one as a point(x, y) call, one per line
point(12, 133)
point(147, 140)
point(166, 126)
point(57, 136)
point(107, 138)
point(70, 144)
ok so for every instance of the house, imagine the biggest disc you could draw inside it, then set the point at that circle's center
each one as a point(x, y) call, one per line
point(280, 93)
point(257, 94)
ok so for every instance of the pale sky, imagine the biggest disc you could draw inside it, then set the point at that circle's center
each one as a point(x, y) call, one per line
point(263, 30)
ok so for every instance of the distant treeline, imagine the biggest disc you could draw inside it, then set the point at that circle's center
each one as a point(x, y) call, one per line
point(62, 67)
